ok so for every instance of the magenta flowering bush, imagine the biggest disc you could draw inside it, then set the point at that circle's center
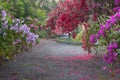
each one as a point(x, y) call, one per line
point(93, 38)
point(111, 56)
point(110, 33)
point(117, 2)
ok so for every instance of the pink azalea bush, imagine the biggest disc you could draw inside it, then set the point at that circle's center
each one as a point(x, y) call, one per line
point(109, 32)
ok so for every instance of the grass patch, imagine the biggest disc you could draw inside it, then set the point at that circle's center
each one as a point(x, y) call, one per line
point(67, 41)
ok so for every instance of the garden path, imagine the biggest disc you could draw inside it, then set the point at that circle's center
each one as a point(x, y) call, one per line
point(50, 60)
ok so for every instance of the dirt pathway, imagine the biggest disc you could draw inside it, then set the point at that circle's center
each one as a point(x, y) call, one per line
point(50, 60)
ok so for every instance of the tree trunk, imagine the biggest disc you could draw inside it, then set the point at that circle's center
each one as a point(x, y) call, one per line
point(69, 36)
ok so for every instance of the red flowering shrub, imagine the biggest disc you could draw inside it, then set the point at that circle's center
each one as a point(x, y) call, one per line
point(68, 14)
point(85, 38)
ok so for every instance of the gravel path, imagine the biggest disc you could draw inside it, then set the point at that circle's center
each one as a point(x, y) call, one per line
point(50, 60)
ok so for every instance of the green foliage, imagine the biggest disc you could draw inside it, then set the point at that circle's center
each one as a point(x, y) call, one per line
point(41, 16)
point(14, 39)
point(18, 10)
point(79, 36)
point(67, 41)
point(43, 34)
point(23, 9)
point(7, 49)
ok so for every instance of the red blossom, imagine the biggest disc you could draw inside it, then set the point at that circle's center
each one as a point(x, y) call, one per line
point(68, 14)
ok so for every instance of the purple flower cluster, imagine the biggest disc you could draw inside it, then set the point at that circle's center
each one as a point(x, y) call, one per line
point(25, 29)
point(16, 21)
point(103, 28)
point(112, 46)
point(93, 38)
point(31, 37)
point(116, 9)
point(110, 57)
point(117, 2)
point(3, 19)
point(15, 27)
point(18, 27)
point(112, 54)
point(101, 31)
point(16, 42)
point(4, 14)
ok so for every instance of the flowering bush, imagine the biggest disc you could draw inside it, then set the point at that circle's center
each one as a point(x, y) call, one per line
point(109, 32)
point(68, 14)
point(85, 38)
point(36, 27)
point(14, 36)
